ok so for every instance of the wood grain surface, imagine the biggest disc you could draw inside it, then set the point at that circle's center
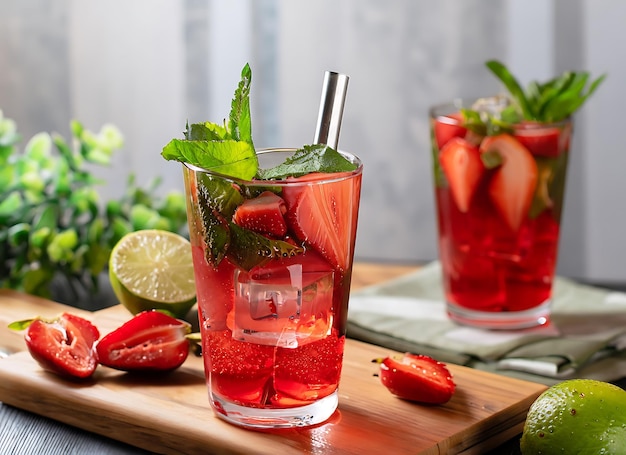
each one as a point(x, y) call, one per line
point(172, 415)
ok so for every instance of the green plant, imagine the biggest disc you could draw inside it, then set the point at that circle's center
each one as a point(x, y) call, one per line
point(53, 224)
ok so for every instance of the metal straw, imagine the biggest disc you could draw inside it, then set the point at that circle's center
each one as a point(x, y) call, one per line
point(331, 109)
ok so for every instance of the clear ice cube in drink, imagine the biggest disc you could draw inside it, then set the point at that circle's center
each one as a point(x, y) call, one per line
point(283, 305)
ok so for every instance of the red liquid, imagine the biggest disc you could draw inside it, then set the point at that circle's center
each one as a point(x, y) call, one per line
point(264, 375)
point(488, 266)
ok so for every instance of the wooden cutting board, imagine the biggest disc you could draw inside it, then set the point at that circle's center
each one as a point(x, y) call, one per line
point(172, 414)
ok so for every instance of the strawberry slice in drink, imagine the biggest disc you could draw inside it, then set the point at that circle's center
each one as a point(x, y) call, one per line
point(263, 214)
point(323, 215)
point(463, 168)
point(513, 184)
point(540, 140)
point(448, 127)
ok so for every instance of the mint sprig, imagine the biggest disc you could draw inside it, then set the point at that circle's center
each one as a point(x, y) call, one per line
point(226, 149)
point(552, 101)
point(310, 158)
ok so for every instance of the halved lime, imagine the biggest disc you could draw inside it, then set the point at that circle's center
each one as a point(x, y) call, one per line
point(153, 269)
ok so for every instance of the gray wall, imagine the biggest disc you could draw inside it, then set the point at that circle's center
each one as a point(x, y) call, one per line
point(148, 66)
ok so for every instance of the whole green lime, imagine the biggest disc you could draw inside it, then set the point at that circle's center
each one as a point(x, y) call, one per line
point(153, 269)
point(574, 417)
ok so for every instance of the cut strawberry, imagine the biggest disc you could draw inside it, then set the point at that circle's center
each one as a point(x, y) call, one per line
point(513, 184)
point(64, 346)
point(539, 140)
point(417, 378)
point(463, 168)
point(264, 214)
point(448, 127)
point(150, 342)
point(325, 215)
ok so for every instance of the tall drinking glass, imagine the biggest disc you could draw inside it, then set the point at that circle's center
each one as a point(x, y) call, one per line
point(499, 200)
point(273, 263)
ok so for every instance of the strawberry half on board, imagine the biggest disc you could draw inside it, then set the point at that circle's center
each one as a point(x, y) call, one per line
point(263, 214)
point(64, 345)
point(463, 169)
point(324, 215)
point(150, 342)
point(513, 184)
point(417, 377)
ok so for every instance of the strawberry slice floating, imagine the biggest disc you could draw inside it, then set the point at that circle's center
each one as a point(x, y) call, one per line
point(539, 140)
point(64, 346)
point(150, 341)
point(513, 184)
point(322, 215)
point(448, 127)
point(463, 168)
point(264, 214)
point(417, 378)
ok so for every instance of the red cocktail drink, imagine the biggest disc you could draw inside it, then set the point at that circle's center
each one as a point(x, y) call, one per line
point(273, 262)
point(499, 201)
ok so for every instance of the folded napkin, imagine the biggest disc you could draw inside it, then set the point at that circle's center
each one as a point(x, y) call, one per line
point(586, 337)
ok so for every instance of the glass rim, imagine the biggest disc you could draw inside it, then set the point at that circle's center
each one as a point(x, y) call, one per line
point(441, 111)
point(332, 177)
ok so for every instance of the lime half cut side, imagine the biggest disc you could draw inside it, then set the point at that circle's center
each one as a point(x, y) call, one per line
point(153, 269)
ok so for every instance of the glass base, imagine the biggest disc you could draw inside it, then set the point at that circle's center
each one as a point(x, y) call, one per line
point(507, 320)
point(267, 418)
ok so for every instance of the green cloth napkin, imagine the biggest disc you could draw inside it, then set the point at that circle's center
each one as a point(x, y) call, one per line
point(586, 337)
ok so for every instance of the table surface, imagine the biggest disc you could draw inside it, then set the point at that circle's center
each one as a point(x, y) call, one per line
point(23, 433)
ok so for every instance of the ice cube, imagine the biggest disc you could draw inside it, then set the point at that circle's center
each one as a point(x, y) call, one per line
point(287, 305)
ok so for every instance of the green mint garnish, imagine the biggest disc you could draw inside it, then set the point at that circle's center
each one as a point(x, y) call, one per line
point(225, 149)
point(310, 158)
point(551, 101)
point(234, 158)
point(228, 149)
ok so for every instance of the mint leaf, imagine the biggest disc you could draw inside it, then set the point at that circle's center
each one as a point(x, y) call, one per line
point(552, 101)
point(233, 158)
point(249, 249)
point(240, 123)
point(310, 158)
point(514, 88)
point(206, 131)
point(491, 159)
point(217, 202)
point(224, 149)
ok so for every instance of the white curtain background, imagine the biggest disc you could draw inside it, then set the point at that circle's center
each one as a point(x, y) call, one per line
point(148, 66)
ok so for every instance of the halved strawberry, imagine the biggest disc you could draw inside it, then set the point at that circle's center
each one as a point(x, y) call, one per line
point(417, 378)
point(149, 342)
point(463, 168)
point(263, 214)
point(540, 140)
point(448, 127)
point(513, 184)
point(64, 345)
point(325, 215)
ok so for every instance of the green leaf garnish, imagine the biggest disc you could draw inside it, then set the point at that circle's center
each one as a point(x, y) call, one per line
point(228, 149)
point(249, 249)
point(233, 158)
point(240, 123)
point(310, 158)
point(552, 101)
point(491, 159)
point(21, 325)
